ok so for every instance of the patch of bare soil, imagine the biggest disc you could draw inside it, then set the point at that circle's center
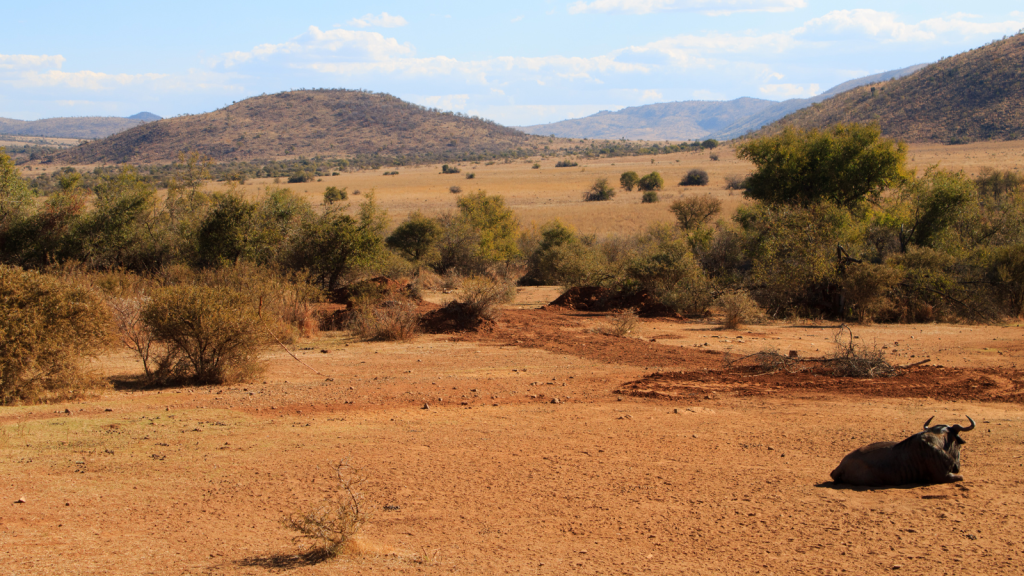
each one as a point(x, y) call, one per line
point(506, 451)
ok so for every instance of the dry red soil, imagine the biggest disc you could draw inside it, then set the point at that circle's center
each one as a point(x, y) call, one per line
point(662, 455)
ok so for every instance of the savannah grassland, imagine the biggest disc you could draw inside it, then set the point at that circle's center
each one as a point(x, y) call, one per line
point(540, 195)
point(689, 468)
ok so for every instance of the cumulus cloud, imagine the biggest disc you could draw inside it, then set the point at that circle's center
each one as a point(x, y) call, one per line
point(887, 25)
point(710, 7)
point(651, 96)
point(385, 20)
point(28, 61)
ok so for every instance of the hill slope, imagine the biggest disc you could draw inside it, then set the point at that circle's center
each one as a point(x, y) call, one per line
point(85, 127)
point(694, 119)
point(334, 123)
point(975, 95)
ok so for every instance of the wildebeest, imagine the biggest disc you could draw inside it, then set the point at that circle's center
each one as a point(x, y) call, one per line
point(928, 457)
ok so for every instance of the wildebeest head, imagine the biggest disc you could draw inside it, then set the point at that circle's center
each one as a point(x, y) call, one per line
point(930, 456)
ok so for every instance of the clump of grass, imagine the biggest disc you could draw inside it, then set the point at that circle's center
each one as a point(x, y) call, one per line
point(738, 308)
point(331, 524)
point(623, 324)
point(455, 189)
point(383, 318)
point(483, 296)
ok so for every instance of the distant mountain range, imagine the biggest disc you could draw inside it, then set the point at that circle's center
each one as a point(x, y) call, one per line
point(696, 119)
point(85, 127)
point(975, 95)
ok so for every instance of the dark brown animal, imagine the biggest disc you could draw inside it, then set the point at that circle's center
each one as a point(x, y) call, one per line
point(928, 457)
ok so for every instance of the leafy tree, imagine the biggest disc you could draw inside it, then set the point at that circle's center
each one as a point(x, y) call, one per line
point(124, 229)
point(15, 201)
point(628, 180)
point(482, 233)
point(709, 144)
point(845, 164)
point(333, 194)
point(929, 206)
point(415, 238)
point(335, 244)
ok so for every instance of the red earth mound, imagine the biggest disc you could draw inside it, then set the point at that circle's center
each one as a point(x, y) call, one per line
point(597, 299)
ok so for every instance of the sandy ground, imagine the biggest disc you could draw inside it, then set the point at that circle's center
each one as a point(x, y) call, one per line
point(658, 457)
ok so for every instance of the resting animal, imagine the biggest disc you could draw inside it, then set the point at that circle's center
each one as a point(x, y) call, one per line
point(928, 457)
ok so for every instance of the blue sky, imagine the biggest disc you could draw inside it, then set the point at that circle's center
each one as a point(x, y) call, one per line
point(518, 63)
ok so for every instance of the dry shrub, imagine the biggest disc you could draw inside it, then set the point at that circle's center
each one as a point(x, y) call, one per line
point(623, 324)
point(332, 523)
point(857, 361)
point(377, 317)
point(210, 334)
point(483, 296)
point(739, 308)
point(46, 327)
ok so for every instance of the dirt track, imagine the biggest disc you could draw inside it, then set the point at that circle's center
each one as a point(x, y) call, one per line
point(723, 473)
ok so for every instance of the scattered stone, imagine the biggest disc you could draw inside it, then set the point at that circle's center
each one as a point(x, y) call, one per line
point(20, 500)
point(108, 410)
point(67, 411)
point(323, 351)
point(426, 406)
point(556, 401)
point(793, 354)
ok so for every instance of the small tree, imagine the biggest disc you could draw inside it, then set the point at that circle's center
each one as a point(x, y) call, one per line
point(845, 164)
point(709, 144)
point(628, 180)
point(695, 177)
point(652, 181)
point(446, 169)
point(415, 238)
point(695, 211)
point(600, 190)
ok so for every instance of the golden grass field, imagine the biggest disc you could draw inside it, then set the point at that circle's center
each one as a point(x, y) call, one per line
point(547, 193)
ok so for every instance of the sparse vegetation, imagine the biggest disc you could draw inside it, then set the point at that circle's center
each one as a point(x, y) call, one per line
point(446, 169)
point(600, 190)
point(329, 525)
point(455, 189)
point(623, 324)
point(566, 164)
point(738, 308)
point(649, 197)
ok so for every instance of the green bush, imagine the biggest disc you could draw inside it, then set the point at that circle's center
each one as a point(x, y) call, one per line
point(628, 180)
point(738, 308)
point(446, 169)
point(212, 334)
point(666, 269)
point(649, 197)
point(46, 327)
point(652, 181)
point(564, 259)
point(695, 177)
point(484, 232)
point(333, 194)
point(566, 164)
point(600, 190)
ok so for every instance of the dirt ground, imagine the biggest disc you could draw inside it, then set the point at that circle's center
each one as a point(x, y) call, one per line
point(658, 456)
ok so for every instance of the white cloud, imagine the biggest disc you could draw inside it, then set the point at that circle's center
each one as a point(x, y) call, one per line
point(786, 91)
point(710, 7)
point(24, 61)
point(886, 25)
point(517, 19)
point(84, 80)
point(651, 95)
point(385, 20)
point(370, 45)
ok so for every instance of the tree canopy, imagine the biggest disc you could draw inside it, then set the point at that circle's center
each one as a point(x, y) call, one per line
point(845, 164)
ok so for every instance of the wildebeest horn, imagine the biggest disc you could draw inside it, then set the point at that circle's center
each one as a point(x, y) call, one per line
point(956, 428)
point(928, 422)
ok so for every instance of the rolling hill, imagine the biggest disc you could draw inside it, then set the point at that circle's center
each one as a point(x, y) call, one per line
point(975, 95)
point(85, 127)
point(332, 123)
point(695, 119)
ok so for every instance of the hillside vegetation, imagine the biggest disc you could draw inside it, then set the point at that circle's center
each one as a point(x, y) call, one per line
point(976, 95)
point(331, 123)
point(85, 127)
